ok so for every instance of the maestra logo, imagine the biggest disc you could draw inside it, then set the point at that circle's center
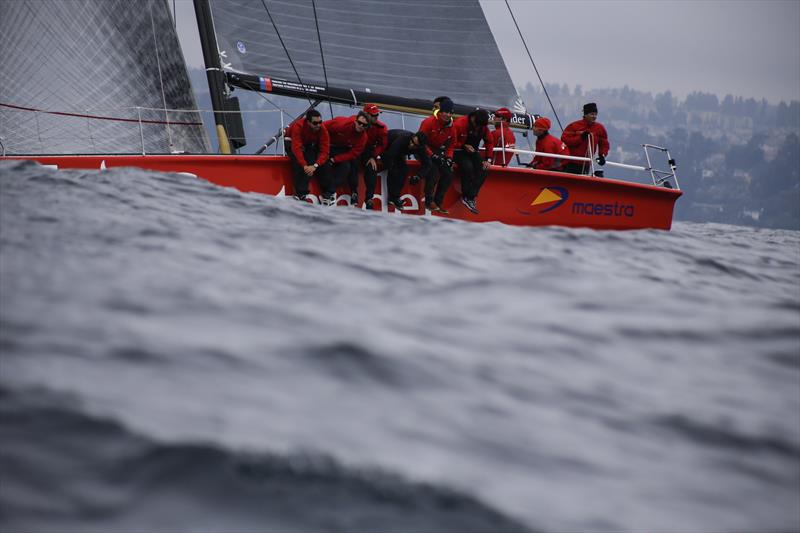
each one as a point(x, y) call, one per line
point(550, 198)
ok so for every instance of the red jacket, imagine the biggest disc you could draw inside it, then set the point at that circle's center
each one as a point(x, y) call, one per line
point(502, 136)
point(344, 135)
point(552, 145)
point(301, 134)
point(440, 134)
point(461, 125)
point(578, 146)
point(377, 138)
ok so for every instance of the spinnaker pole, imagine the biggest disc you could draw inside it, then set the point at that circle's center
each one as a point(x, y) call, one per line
point(216, 78)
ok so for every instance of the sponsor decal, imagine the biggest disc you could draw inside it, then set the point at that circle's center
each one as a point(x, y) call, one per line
point(550, 198)
point(597, 209)
point(241, 47)
point(266, 84)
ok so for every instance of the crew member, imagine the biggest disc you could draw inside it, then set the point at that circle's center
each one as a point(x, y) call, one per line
point(368, 161)
point(348, 138)
point(308, 145)
point(402, 144)
point(440, 134)
point(437, 102)
point(470, 130)
point(548, 144)
point(586, 138)
point(503, 137)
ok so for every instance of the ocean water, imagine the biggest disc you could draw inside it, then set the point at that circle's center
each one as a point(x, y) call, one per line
point(176, 356)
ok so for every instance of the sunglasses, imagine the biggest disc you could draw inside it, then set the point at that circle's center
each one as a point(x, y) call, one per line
point(316, 122)
point(376, 115)
point(362, 124)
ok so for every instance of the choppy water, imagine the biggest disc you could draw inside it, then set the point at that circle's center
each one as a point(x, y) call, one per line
point(177, 356)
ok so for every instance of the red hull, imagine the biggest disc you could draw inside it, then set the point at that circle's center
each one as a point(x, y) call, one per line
point(510, 195)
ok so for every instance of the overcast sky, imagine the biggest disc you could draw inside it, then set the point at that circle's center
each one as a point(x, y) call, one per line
point(742, 47)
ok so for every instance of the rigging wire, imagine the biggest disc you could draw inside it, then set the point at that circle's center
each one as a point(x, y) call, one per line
point(534, 66)
point(321, 54)
point(289, 57)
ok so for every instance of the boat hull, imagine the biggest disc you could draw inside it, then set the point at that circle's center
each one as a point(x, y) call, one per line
point(514, 196)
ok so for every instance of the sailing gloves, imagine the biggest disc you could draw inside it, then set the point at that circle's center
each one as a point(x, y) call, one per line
point(585, 135)
point(601, 160)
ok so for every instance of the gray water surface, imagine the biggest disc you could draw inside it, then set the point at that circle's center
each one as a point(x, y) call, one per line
point(175, 355)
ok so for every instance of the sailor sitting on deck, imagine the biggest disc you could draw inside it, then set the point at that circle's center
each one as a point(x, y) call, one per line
point(440, 134)
point(548, 144)
point(377, 141)
point(348, 139)
point(503, 137)
point(583, 135)
point(307, 144)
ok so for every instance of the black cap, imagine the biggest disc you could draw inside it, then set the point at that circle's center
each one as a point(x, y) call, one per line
point(446, 105)
point(589, 108)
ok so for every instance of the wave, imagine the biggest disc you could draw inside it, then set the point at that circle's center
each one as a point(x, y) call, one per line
point(67, 470)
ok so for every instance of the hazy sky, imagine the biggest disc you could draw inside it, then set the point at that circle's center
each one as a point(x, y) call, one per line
point(742, 47)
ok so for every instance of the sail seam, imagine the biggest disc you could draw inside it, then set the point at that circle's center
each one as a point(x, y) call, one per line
point(160, 77)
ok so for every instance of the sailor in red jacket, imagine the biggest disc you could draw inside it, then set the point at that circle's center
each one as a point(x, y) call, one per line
point(440, 134)
point(503, 137)
point(308, 145)
point(583, 135)
point(474, 164)
point(548, 144)
point(348, 139)
point(377, 141)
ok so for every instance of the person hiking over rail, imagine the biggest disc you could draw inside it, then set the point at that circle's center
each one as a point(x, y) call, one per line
point(582, 135)
point(440, 134)
point(470, 130)
point(377, 141)
point(348, 139)
point(402, 144)
point(308, 145)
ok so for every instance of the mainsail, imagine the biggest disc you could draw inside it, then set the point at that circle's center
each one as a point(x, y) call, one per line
point(414, 49)
point(94, 76)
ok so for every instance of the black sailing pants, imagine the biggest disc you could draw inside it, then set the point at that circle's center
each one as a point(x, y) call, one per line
point(370, 176)
point(336, 174)
point(472, 172)
point(445, 176)
point(299, 177)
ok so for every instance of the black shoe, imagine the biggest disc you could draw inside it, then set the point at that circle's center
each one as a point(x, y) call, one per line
point(469, 204)
point(354, 199)
point(368, 205)
point(398, 204)
point(300, 197)
point(328, 200)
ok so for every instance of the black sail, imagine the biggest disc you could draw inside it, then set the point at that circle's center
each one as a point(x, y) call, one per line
point(416, 49)
point(77, 76)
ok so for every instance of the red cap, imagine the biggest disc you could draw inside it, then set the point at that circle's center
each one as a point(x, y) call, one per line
point(504, 113)
point(542, 122)
point(371, 109)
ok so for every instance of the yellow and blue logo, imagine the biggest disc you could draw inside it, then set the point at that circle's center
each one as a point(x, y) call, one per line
point(550, 198)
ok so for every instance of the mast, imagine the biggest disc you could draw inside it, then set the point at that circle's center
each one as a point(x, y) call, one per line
point(216, 78)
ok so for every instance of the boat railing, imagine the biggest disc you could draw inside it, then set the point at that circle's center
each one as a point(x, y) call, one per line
point(659, 177)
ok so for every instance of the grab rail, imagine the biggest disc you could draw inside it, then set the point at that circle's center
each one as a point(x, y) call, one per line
point(659, 177)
